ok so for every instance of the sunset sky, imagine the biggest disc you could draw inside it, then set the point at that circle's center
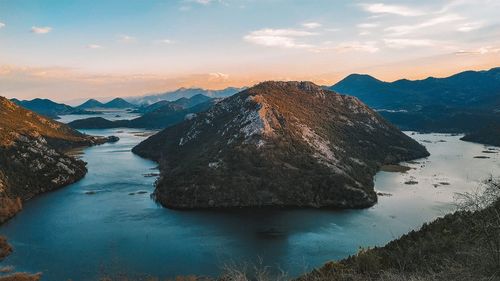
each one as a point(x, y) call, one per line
point(67, 50)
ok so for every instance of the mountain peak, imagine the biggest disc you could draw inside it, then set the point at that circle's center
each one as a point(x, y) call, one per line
point(359, 78)
point(90, 103)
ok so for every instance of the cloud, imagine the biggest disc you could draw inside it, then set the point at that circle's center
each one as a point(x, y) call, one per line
point(41, 30)
point(380, 8)
point(285, 38)
point(368, 25)
point(466, 27)
point(369, 46)
point(167, 41)
point(311, 25)
point(479, 51)
point(399, 43)
point(2, 24)
point(126, 38)
point(217, 76)
point(405, 29)
point(203, 2)
point(94, 46)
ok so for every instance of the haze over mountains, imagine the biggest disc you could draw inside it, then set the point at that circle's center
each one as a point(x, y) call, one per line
point(184, 93)
point(277, 144)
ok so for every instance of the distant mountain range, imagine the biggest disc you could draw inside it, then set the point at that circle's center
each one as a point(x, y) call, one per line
point(466, 90)
point(465, 102)
point(156, 116)
point(277, 144)
point(117, 103)
point(181, 103)
point(184, 93)
point(49, 108)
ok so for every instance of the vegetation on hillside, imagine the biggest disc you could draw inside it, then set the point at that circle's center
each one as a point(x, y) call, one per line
point(464, 245)
point(277, 144)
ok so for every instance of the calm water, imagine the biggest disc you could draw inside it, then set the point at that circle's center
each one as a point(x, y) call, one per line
point(73, 234)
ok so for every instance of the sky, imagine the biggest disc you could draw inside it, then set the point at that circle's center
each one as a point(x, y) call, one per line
point(74, 49)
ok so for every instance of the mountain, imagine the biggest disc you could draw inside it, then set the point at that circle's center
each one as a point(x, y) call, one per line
point(469, 89)
point(118, 103)
point(184, 93)
point(164, 116)
point(151, 107)
point(49, 108)
point(277, 144)
point(192, 101)
point(91, 103)
point(465, 102)
point(182, 103)
point(32, 159)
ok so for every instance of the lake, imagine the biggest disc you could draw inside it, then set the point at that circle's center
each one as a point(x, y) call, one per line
point(107, 223)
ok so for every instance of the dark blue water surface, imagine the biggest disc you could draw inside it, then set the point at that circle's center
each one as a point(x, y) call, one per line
point(102, 225)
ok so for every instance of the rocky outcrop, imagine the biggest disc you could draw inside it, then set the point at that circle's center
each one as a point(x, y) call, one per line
point(277, 144)
point(32, 159)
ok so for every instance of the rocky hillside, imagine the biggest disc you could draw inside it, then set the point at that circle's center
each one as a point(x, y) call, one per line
point(277, 144)
point(31, 156)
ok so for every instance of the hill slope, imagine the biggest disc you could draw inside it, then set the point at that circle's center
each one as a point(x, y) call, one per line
point(277, 144)
point(31, 156)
